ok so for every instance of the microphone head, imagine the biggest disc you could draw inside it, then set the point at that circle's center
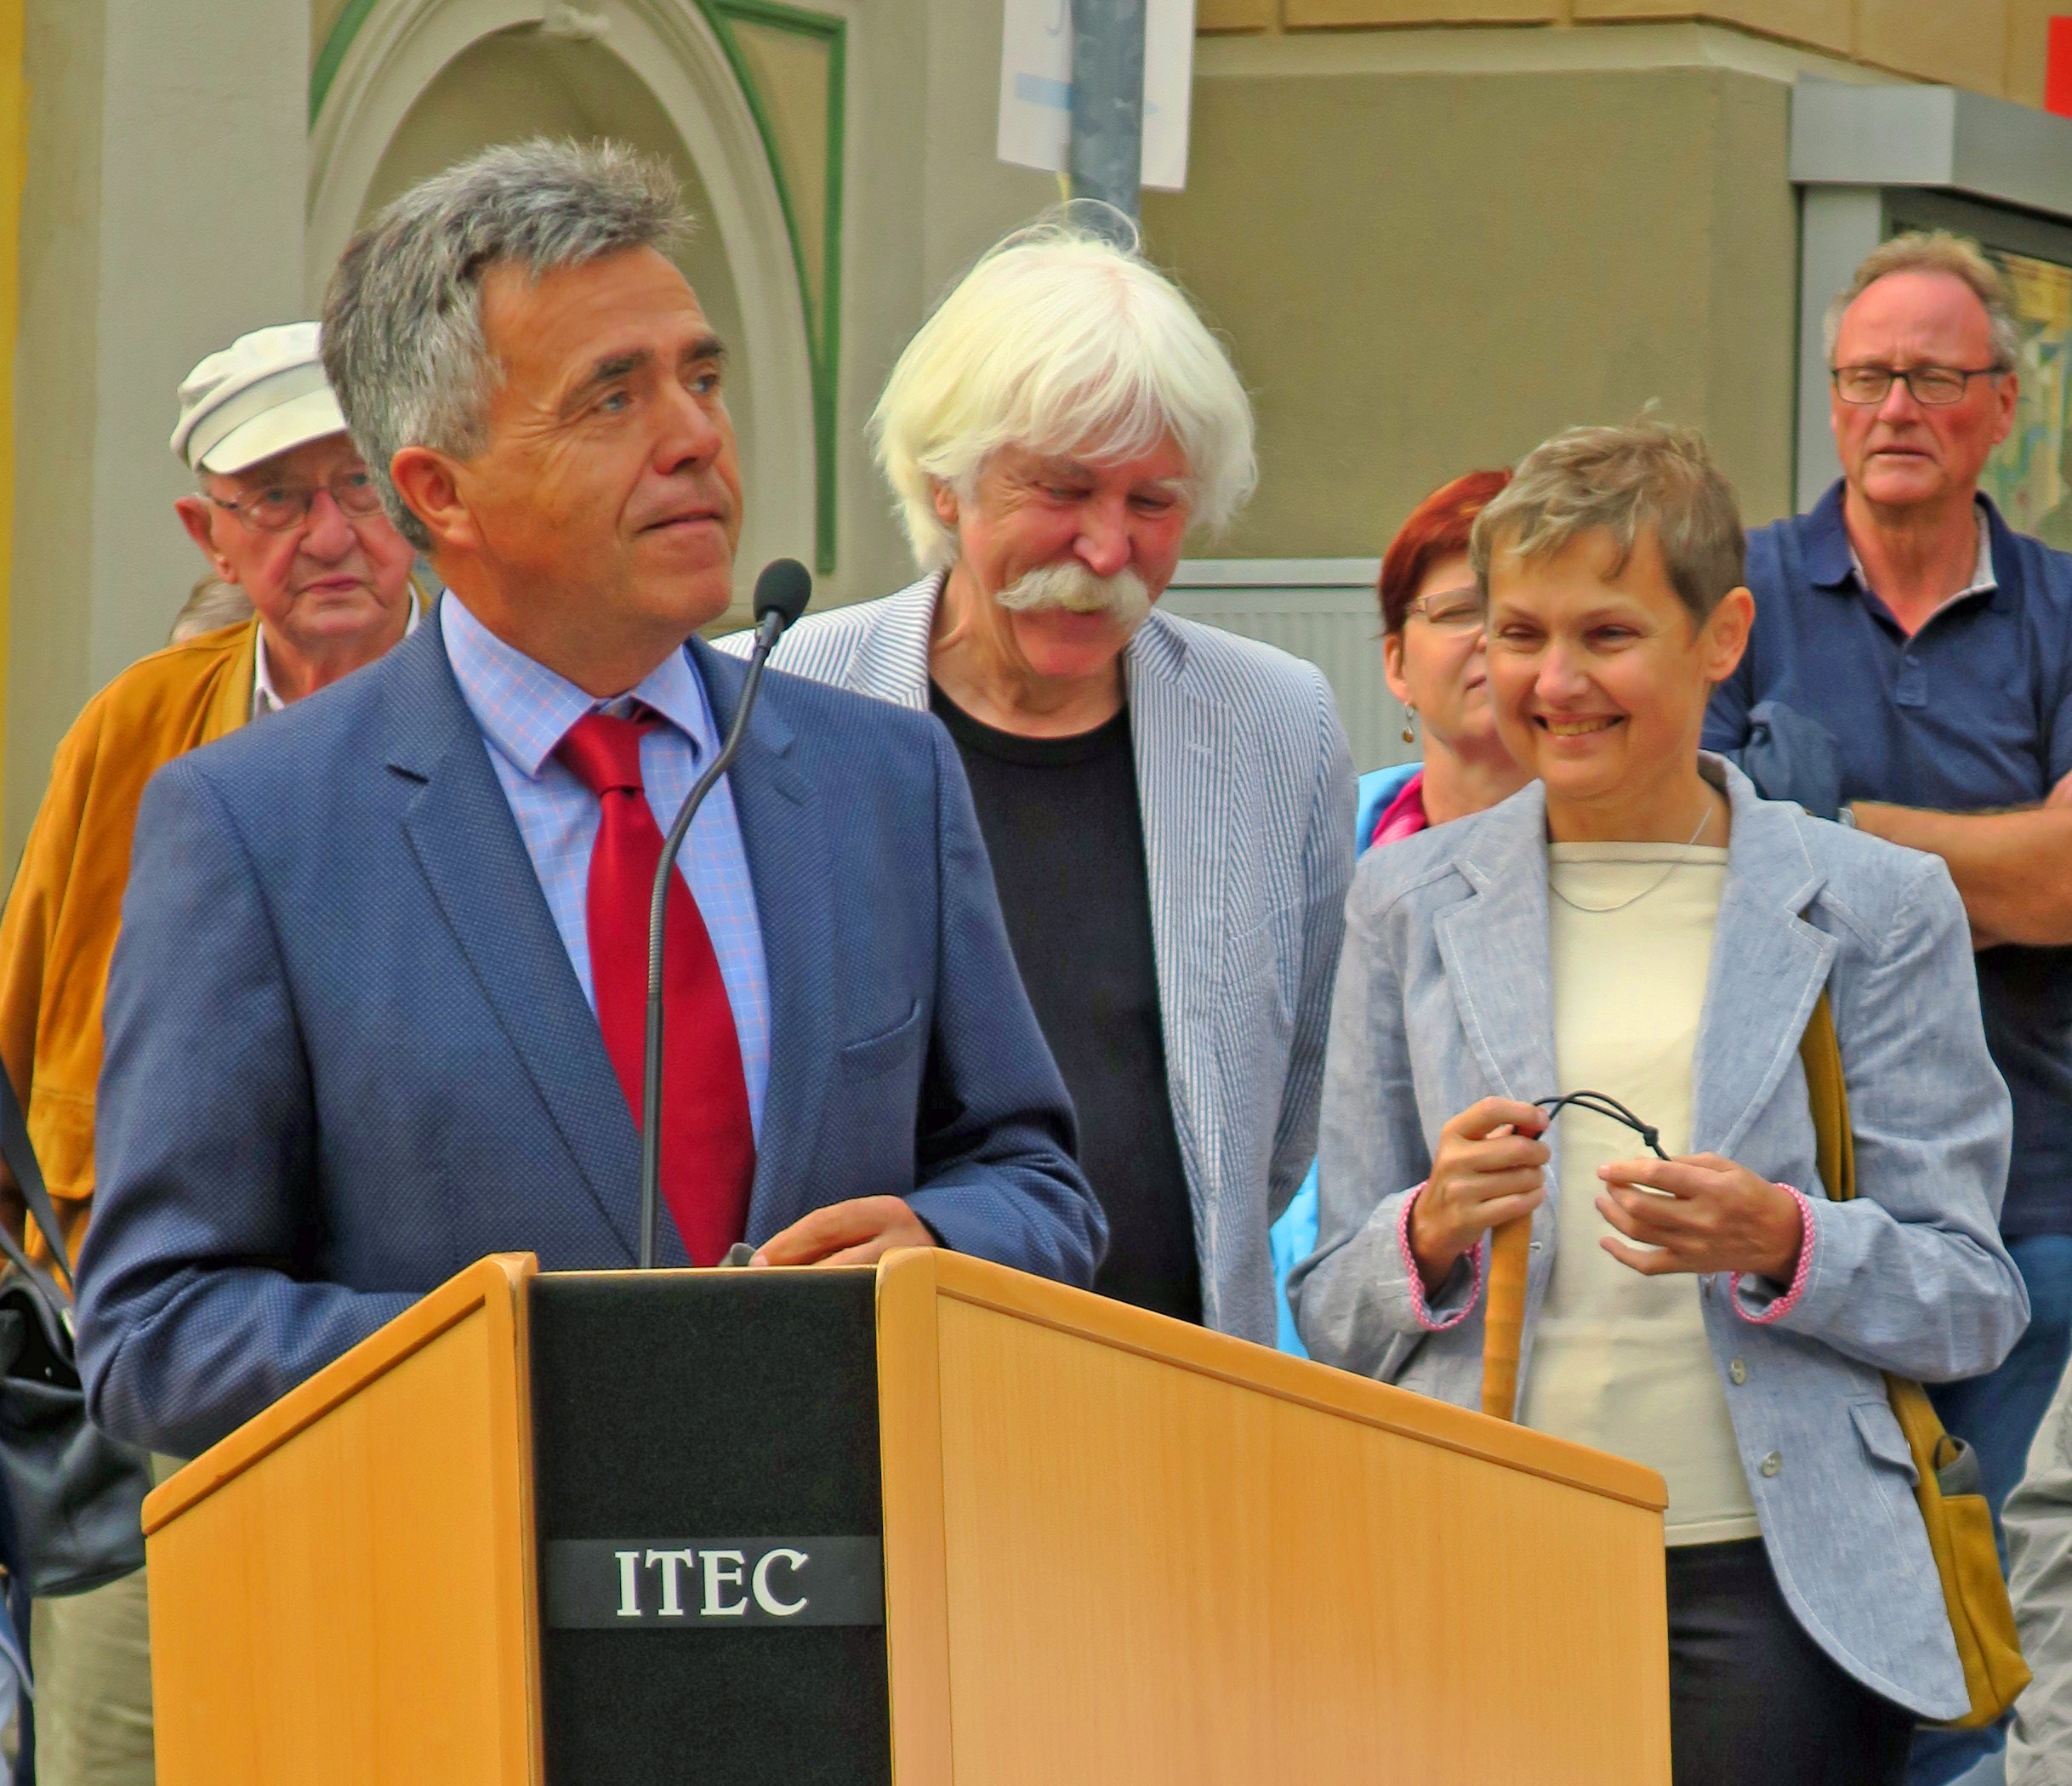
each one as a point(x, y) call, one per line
point(783, 589)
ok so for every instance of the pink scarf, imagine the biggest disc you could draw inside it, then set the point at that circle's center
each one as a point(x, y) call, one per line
point(1404, 815)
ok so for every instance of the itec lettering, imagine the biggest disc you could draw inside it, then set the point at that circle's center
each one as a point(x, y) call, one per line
point(723, 1571)
point(711, 1583)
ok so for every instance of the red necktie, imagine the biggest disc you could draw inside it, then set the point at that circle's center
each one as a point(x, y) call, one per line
point(707, 1145)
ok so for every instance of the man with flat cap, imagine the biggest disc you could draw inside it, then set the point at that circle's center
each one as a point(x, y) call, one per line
point(285, 511)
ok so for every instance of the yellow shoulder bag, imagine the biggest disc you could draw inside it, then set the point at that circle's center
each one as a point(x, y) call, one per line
point(1960, 1525)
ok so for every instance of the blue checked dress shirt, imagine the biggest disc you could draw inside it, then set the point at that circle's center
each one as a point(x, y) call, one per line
point(525, 711)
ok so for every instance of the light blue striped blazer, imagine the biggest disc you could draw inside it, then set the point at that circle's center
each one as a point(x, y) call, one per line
point(1245, 784)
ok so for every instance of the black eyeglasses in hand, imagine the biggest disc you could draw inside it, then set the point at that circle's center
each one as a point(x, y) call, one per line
point(1600, 1105)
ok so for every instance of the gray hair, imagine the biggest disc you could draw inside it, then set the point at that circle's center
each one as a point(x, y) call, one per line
point(1621, 483)
point(403, 343)
point(1060, 340)
point(1935, 251)
point(211, 606)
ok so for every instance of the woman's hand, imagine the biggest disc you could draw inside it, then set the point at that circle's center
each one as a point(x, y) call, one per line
point(1702, 1214)
point(1487, 1172)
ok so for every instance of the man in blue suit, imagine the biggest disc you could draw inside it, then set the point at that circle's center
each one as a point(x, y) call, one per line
point(375, 1009)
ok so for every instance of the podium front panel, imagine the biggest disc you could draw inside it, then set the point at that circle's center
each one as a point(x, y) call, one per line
point(732, 1416)
point(939, 1519)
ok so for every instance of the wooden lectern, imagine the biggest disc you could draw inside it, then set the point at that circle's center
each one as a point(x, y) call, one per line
point(936, 1521)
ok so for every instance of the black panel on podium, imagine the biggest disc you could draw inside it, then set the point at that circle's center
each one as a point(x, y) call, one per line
point(687, 1410)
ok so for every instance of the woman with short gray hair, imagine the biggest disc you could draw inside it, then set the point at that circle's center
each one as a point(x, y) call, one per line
point(1584, 1007)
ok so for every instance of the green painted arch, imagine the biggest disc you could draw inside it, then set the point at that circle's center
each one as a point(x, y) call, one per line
point(822, 309)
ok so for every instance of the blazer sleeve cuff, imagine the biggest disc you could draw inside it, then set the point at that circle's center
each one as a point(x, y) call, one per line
point(1457, 1297)
point(1756, 1297)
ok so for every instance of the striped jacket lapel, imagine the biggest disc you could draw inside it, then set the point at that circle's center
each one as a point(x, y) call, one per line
point(891, 660)
point(1181, 737)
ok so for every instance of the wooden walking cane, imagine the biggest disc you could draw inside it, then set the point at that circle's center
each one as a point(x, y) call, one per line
point(1504, 1317)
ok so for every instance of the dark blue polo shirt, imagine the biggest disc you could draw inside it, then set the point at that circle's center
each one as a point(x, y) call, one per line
point(1974, 712)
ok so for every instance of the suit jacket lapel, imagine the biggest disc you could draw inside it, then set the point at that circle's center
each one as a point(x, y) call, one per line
point(1181, 741)
point(891, 659)
point(460, 828)
point(1494, 949)
point(1768, 966)
point(791, 863)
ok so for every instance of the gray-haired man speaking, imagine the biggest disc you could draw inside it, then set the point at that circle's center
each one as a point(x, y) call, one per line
point(443, 1058)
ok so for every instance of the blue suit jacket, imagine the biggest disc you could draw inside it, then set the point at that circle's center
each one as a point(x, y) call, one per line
point(347, 1056)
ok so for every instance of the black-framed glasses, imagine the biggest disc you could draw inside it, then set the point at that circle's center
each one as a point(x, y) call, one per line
point(1599, 1104)
point(276, 508)
point(1451, 611)
point(1936, 386)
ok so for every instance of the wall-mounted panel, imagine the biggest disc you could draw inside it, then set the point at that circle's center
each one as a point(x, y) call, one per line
point(1322, 609)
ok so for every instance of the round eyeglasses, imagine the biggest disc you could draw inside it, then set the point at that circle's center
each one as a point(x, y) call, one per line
point(1936, 386)
point(277, 508)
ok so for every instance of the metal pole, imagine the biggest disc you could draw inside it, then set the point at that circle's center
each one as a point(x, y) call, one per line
point(1107, 101)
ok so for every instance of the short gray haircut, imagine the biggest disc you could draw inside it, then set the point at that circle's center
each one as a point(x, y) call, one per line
point(1935, 251)
point(1059, 340)
point(403, 343)
point(1621, 483)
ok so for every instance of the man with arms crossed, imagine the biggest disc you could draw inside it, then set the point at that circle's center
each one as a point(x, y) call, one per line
point(441, 1058)
point(1168, 808)
point(1934, 643)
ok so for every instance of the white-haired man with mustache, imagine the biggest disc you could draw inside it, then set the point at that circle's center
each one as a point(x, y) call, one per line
point(1168, 808)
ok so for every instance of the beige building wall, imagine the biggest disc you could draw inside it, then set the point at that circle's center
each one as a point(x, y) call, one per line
point(161, 215)
point(1432, 230)
point(1430, 250)
point(1987, 45)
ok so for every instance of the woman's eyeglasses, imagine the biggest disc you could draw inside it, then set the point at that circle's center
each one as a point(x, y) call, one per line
point(1450, 611)
point(1599, 1105)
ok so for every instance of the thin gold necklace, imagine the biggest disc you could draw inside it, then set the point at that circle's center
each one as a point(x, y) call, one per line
point(1653, 886)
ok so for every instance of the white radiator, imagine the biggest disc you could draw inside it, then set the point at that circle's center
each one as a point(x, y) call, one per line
point(1323, 609)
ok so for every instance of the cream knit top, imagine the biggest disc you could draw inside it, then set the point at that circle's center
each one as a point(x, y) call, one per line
point(1621, 1362)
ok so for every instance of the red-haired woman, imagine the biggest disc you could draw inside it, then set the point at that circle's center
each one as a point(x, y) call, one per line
point(1433, 653)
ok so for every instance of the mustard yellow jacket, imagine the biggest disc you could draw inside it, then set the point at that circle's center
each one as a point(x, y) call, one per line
point(57, 935)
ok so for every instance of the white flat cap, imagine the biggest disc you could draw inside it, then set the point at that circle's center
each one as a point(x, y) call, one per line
point(262, 394)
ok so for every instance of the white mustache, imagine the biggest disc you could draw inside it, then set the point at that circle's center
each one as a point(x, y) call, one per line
point(1070, 586)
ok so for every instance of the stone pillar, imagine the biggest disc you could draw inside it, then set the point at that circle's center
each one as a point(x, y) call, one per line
point(162, 216)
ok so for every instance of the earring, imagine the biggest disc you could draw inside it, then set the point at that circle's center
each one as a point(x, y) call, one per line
point(1409, 724)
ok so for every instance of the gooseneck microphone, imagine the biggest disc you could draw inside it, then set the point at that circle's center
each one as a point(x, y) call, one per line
point(781, 593)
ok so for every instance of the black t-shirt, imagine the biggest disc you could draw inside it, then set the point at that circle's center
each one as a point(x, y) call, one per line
point(1061, 822)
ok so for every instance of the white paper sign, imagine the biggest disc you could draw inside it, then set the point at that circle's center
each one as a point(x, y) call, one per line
point(1036, 87)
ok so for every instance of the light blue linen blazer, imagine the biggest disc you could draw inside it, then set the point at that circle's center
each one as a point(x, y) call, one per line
point(1245, 784)
point(1444, 998)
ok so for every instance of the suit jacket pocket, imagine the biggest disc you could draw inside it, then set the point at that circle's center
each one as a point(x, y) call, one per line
point(879, 1054)
point(1878, 1427)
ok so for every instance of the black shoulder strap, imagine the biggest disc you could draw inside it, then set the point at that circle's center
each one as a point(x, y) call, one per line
point(21, 1161)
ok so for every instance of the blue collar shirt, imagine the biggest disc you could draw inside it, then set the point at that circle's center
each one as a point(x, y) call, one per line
point(525, 710)
point(1971, 712)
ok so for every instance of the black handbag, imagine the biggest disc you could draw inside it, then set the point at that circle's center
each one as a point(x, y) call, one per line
point(77, 1495)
